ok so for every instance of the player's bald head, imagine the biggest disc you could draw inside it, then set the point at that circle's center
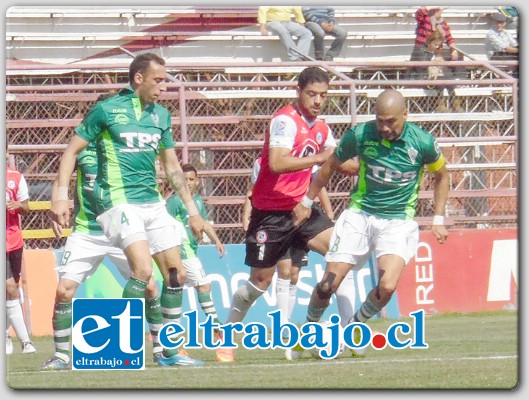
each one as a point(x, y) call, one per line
point(390, 101)
point(391, 114)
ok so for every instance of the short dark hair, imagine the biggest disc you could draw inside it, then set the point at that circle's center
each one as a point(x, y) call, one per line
point(104, 96)
point(311, 75)
point(189, 168)
point(142, 62)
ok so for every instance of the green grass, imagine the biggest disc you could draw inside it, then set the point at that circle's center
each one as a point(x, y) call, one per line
point(466, 351)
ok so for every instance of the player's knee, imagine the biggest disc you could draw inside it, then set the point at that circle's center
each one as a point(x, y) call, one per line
point(386, 289)
point(64, 294)
point(174, 279)
point(204, 288)
point(324, 290)
point(248, 293)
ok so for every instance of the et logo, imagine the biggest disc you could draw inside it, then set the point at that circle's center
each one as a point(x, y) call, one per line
point(108, 334)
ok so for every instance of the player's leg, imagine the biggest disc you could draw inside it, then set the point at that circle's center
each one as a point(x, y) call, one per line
point(197, 278)
point(267, 240)
point(153, 314)
point(283, 267)
point(164, 239)
point(395, 243)
point(14, 313)
point(345, 298)
point(299, 259)
point(348, 246)
point(81, 257)
point(124, 226)
point(153, 310)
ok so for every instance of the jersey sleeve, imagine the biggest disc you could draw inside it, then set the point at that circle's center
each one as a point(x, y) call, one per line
point(331, 141)
point(92, 125)
point(201, 207)
point(167, 141)
point(174, 206)
point(347, 148)
point(22, 191)
point(255, 171)
point(283, 131)
point(432, 155)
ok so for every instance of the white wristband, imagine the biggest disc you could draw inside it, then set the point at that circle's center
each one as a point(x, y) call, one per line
point(306, 202)
point(438, 220)
point(62, 193)
point(191, 208)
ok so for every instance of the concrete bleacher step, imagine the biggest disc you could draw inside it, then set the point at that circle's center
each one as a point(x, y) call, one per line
point(84, 32)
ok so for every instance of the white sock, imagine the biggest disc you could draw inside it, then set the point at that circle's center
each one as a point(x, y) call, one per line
point(242, 300)
point(282, 298)
point(345, 299)
point(16, 317)
point(292, 297)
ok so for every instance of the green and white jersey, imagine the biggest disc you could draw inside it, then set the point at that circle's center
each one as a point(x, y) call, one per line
point(85, 203)
point(128, 141)
point(390, 171)
point(176, 207)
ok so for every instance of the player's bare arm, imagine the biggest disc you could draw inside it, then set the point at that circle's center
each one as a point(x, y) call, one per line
point(60, 209)
point(21, 207)
point(302, 210)
point(441, 189)
point(281, 161)
point(210, 232)
point(176, 178)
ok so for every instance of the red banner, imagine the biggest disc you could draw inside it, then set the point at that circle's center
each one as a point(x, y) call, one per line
point(475, 270)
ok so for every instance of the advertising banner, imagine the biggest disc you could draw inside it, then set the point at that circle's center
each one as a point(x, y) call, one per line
point(475, 270)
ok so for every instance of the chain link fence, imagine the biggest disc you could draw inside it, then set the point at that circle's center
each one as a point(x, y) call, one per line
point(219, 121)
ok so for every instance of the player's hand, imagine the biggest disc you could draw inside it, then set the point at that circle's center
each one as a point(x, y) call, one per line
point(60, 213)
point(196, 223)
point(12, 205)
point(300, 214)
point(57, 229)
point(440, 232)
point(220, 249)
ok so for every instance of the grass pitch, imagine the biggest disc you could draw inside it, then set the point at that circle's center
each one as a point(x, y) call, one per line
point(466, 351)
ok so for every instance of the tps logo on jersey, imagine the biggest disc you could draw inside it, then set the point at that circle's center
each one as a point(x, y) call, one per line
point(108, 334)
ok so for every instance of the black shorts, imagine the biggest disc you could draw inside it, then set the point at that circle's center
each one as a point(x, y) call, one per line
point(14, 264)
point(300, 257)
point(272, 233)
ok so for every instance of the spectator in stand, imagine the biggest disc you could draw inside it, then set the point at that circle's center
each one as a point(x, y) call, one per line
point(431, 50)
point(279, 21)
point(430, 19)
point(499, 43)
point(320, 21)
point(17, 203)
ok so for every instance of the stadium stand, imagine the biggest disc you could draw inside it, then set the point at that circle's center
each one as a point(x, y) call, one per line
point(221, 104)
point(217, 32)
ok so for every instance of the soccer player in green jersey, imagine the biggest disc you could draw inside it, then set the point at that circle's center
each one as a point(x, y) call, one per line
point(85, 249)
point(392, 155)
point(130, 130)
point(196, 276)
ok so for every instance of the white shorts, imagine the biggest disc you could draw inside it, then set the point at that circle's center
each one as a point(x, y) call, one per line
point(125, 224)
point(356, 234)
point(83, 253)
point(196, 276)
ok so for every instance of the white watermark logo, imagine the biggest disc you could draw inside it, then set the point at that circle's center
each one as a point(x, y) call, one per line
point(328, 337)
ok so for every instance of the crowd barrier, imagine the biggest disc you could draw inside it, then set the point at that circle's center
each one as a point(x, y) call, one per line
point(475, 270)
